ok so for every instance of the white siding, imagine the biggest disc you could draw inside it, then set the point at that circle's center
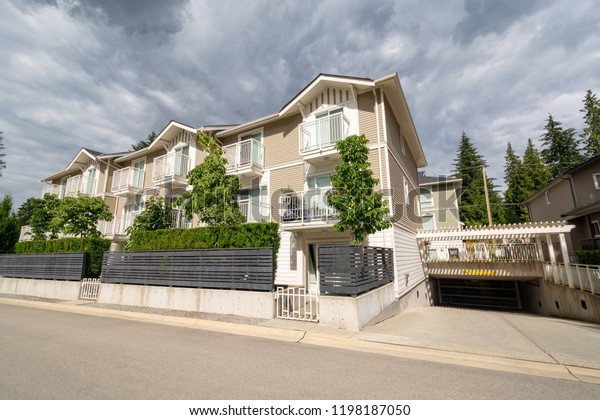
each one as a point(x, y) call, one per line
point(287, 262)
point(383, 238)
point(407, 258)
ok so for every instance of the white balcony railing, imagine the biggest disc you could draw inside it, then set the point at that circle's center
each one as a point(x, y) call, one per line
point(323, 133)
point(170, 166)
point(80, 185)
point(54, 189)
point(254, 212)
point(179, 220)
point(307, 206)
point(479, 251)
point(126, 179)
point(244, 155)
point(127, 220)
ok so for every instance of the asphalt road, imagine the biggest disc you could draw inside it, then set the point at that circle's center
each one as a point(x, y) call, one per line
point(46, 354)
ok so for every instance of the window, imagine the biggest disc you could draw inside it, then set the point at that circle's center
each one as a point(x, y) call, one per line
point(250, 151)
point(595, 228)
point(403, 144)
point(428, 221)
point(426, 197)
point(548, 198)
point(254, 204)
point(138, 173)
point(182, 160)
point(90, 181)
point(329, 127)
point(405, 191)
point(596, 181)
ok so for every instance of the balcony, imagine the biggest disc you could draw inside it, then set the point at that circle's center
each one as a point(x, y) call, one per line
point(309, 207)
point(244, 158)
point(318, 138)
point(128, 180)
point(171, 168)
point(254, 212)
point(54, 189)
point(80, 185)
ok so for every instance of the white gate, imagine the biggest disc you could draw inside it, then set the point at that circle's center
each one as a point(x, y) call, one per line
point(298, 303)
point(89, 289)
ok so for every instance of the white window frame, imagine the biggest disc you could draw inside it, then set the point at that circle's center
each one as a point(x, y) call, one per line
point(595, 228)
point(429, 214)
point(406, 191)
point(548, 198)
point(596, 178)
point(249, 135)
point(431, 204)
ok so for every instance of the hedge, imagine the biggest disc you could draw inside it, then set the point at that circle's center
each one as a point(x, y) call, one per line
point(248, 235)
point(591, 257)
point(93, 247)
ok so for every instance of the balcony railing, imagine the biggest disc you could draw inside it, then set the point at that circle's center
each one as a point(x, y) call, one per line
point(306, 207)
point(179, 220)
point(169, 167)
point(127, 179)
point(254, 212)
point(127, 220)
point(244, 155)
point(80, 185)
point(54, 189)
point(590, 244)
point(480, 252)
point(323, 133)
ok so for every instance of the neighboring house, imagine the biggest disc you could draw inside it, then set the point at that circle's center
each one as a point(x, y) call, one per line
point(574, 197)
point(284, 161)
point(439, 198)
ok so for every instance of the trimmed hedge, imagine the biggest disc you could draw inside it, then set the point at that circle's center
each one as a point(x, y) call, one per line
point(590, 257)
point(93, 247)
point(248, 235)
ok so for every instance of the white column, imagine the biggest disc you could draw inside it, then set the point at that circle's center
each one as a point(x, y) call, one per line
point(554, 269)
point(565, 253)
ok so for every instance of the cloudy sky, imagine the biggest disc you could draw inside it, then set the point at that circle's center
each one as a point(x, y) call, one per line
point(102, 74)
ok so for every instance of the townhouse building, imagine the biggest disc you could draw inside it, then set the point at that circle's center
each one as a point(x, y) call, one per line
point(440, 198)
point(284, 161)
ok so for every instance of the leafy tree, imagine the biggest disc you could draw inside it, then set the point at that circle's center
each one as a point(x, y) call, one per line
point(25, 212)
point(535, 173)
point(591, 132)
point(144, 143)
point(469, 166)
point(9, 226)
point(560, 148)
point(157, 215)
point(80, 216)
point(43, 218)
point(361, 209)
point(213, 191)
point(2, 155)
point(514, 211)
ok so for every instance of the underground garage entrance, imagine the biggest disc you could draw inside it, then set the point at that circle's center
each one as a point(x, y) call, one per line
point(483, 294)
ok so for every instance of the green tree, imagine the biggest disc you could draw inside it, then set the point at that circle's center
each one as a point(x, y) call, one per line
point(144, 143)
point(25, 211)
point(515, 211)
point(80, 216)
point(361, 209)
point(213, 192)
point(535, 172)
point(9, 226)
point(560, 148)
point(469, 166)
point(2, 155)
point(43, 219)
point(158, 214)
point(591, 132)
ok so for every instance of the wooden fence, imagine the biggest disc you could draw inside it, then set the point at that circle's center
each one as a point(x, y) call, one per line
point(55, 266)
point(228, 268)
point(353, 270)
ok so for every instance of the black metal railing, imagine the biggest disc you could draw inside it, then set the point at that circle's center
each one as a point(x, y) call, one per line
point(55, 266)
point(590, 244)
point(229, 268)
point(348, 270)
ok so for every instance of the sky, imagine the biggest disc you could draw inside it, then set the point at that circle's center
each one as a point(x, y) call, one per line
point(103, 74)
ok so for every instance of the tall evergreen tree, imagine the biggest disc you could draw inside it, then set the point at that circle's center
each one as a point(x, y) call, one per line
point(535, 172)
point(515, 194)
point(2, 161)
point(9, 226)
point(560, 147)
point(469, 166)
point(144, 143)
point(590, 137)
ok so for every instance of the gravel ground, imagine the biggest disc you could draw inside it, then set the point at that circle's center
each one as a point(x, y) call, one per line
point(143, 309)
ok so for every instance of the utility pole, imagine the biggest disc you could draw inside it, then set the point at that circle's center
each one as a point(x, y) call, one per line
point(487, 197)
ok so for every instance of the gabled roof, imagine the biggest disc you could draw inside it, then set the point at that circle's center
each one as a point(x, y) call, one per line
point(390, 84)
point(80, 159)
point(424, 179)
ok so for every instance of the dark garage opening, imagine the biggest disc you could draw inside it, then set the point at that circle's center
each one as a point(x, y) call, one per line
point(492, 294)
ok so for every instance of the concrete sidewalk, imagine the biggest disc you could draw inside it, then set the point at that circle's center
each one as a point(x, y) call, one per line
point(509, 342)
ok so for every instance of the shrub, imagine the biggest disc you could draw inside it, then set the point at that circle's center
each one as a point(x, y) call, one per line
point(93, 247)
point(591, 257)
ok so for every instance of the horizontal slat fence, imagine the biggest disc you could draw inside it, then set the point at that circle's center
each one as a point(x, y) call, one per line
point(54, 266)
point(228, 268)
point(349, 270)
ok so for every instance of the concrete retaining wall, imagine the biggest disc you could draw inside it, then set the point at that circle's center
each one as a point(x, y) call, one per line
point(52, 289)
point(546, 298)
point(235, 302)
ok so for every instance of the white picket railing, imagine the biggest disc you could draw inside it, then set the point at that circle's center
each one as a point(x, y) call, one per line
point(89, 289)
point(584, 277)
point(297, 303)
